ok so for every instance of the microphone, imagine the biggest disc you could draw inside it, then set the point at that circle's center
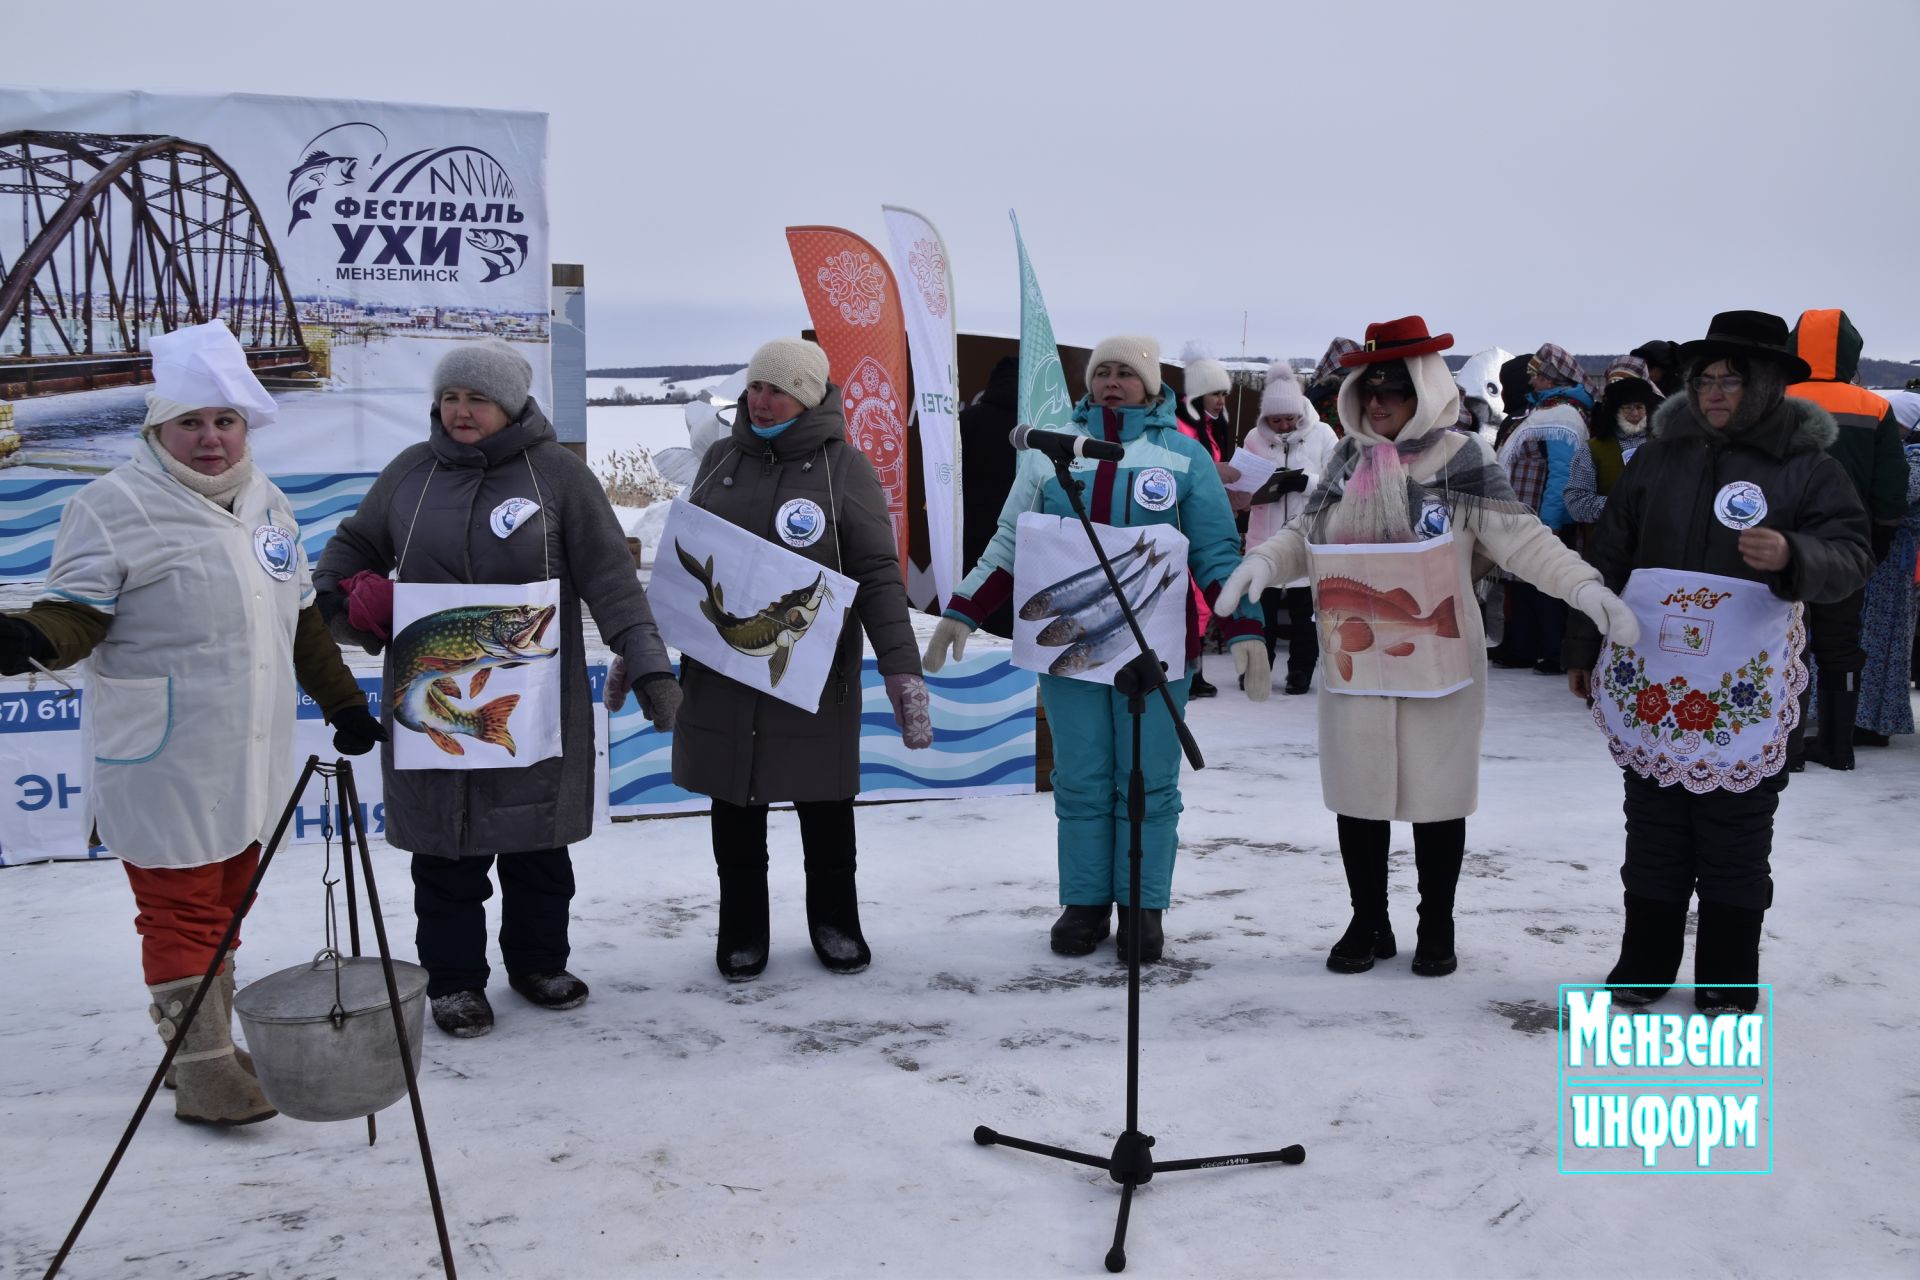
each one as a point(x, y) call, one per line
point(1064, 446)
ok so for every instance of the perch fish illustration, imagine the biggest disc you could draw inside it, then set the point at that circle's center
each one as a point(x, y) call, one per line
point(1355, 617)
point(432, 653)
point(768, 633)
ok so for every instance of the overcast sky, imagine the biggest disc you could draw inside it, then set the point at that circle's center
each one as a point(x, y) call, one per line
point(1594, 174)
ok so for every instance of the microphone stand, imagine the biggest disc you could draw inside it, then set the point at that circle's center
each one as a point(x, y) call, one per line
point(1131, 1163)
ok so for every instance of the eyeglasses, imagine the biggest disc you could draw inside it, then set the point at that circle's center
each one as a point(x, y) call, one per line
point(1387, 396)
point(1725, 385)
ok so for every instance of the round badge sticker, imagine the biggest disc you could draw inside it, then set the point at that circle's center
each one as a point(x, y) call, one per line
point(275, 550)
point(1435, 519)
point(511, 514)
point(800, 522)
point(1154, 489)
point(1740, 505)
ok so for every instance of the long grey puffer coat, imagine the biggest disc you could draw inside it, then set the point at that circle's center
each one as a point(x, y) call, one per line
point(734, 743)
point(445, 493)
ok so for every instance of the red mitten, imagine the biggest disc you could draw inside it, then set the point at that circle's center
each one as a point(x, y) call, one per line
point(370, 603)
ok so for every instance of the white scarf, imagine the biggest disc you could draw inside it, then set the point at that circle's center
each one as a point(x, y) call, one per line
point(220, 490)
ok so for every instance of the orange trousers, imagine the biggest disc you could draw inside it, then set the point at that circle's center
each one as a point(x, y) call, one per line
point(184, 912)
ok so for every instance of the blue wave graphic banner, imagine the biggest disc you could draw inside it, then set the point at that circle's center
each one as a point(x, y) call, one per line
point(983, 742)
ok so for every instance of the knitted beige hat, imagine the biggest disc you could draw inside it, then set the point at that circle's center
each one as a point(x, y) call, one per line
point(794, 365)
point(1140, 354)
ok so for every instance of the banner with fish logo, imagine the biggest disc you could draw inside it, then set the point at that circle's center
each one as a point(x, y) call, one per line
point(858, 321)
point(1389, 618)
point(1709, 696)
point(1043, 398)
point(928, 298)
point(348, 244)
point(472, 681)
point(747, 607)
point(1067, 621)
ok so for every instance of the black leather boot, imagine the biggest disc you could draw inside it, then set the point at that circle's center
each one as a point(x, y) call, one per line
point(1080, 929)
point(1369, 935)
point(1726, 958)
point(1153, 939)
point(1651, 945)
point(1438, 849)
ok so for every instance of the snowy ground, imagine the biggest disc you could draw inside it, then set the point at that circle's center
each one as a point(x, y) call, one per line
point(812, 1125)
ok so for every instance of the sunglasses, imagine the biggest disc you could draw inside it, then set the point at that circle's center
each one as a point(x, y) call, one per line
point(1389, 396)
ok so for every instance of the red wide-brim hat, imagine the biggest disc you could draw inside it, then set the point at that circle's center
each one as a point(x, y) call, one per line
point(1396, 340)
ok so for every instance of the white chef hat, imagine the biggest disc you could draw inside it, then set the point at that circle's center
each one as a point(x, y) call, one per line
point(203, 367)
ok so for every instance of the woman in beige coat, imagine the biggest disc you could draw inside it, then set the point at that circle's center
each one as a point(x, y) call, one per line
point(1403, 697)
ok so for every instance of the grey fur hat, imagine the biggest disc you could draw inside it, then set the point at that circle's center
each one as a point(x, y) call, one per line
point(489, 366)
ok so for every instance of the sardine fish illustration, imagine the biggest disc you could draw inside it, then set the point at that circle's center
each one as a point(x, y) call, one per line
point(768, 633)
point(1102, 612)
point(504, 252)
point(1080, 589)
point(432, 653)
point(1354, 617)
point(1101, 647)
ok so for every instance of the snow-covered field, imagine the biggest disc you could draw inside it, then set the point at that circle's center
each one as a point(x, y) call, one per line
point(813, 1125)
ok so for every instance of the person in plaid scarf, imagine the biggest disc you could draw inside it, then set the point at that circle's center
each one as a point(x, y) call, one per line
point(1323, 389)
point(1537, 457)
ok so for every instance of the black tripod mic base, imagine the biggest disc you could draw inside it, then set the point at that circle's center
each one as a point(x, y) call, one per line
point(985, 1136)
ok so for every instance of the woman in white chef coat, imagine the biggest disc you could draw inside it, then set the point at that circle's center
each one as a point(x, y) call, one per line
point(181, 575)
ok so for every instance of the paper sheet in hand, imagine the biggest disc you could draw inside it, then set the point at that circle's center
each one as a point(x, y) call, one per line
point(1254, 470)
point(1066, 620)
point(747, 607)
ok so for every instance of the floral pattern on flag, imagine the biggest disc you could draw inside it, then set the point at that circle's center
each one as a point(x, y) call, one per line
point(928, 262)
point(855, 285)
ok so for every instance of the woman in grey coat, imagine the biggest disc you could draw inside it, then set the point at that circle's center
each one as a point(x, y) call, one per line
point(788, 457)
point(431, 517)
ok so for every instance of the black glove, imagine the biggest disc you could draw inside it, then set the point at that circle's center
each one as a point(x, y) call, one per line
point(20, 643)
point(355, 731)
point(1289, 481)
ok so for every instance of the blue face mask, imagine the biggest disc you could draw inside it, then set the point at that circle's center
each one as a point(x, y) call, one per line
point(768, 433)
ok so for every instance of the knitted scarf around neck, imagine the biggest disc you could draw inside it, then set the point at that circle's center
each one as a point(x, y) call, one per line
point(221, 490)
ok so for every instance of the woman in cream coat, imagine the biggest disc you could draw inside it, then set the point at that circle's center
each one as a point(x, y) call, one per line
point(1400, 476)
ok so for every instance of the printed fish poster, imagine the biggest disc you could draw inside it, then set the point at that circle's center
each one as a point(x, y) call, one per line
point(1066, 619)
point(473, 674)
point(1390, 618)
point(748, 607)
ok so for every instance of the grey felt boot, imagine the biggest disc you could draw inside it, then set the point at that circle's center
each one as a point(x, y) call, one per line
point(240, 1055)
point(212, 1087)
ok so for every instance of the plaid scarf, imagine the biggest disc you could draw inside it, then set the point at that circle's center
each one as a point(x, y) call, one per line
point(1468, 481)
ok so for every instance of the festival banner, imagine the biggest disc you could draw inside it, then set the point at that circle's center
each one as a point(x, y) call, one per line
point(934, 345)
point(346, 243)
point(1067, 621)
point(1043, 398)
point(858, 319)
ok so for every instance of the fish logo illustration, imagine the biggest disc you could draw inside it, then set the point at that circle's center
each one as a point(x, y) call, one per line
point(1435, 519)
point(800, 522)
point(331, 159)
point(510, 515)
point(273, 547)
point(1355, 618)
point(1154, 489)
point(431, 654)
point(769, 633)
point(1740, 505)
point(504, 252)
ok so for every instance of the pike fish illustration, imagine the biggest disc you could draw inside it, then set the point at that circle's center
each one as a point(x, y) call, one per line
point(1100, 613)
point(318, 171)
point(1101, 647)
point(1081, 589)
point(1355, 617)
point(768, 633)
point(432, 653)
point(504, 252)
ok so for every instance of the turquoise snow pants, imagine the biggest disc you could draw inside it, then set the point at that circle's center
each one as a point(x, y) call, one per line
point(1092, 755)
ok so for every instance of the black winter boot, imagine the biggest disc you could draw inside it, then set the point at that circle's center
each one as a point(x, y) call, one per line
point(740, 858)
point(1650, 950)
point(1839, 701)
point(833, 915)
point(1369, 935)
point(1080, 929)
point(1726, 958)
point(1438, 849)
point(1153, 939)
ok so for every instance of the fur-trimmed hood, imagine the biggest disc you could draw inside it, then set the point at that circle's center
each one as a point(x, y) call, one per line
point(1792, 426)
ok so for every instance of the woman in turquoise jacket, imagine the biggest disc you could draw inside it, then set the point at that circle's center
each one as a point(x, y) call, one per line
point(1166, 477)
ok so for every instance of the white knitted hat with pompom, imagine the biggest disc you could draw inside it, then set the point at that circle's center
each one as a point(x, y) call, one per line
point(1282, 394)
point(1202, 374)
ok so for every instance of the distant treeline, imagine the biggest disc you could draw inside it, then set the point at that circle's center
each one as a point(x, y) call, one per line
point(671, 372)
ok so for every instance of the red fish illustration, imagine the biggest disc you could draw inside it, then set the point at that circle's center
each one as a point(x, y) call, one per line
point(1354, 617)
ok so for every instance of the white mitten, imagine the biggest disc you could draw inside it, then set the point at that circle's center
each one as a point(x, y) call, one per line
point(1255, 669)
point(1248, 582)
point(1608, 611)
point(949, 638)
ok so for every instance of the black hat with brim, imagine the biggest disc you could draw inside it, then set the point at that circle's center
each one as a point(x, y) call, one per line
point(1747, 335)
